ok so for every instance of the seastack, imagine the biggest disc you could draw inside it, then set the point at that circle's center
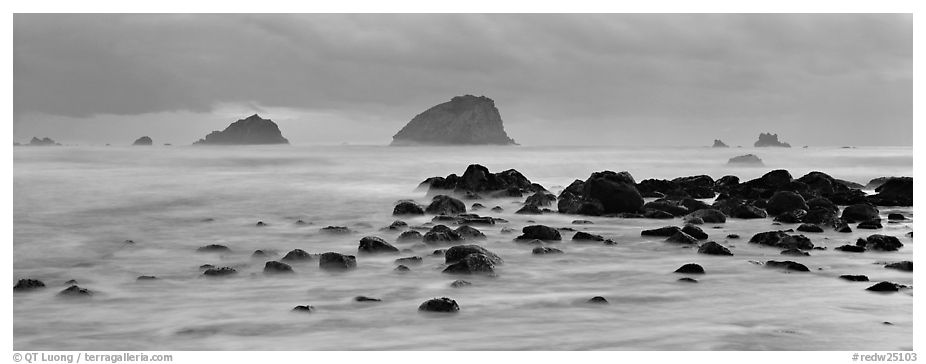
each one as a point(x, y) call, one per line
point(46, 141)
point(252, 130)
point(145, 140)
point(464, 120)
point(720, 144)
point(770, 140)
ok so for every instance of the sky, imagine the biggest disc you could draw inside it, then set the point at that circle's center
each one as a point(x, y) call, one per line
point(557, 79)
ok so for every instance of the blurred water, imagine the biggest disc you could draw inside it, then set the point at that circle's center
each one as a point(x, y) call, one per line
point(74, 207)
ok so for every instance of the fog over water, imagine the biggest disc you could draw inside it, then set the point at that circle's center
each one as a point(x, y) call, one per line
point(74, 207)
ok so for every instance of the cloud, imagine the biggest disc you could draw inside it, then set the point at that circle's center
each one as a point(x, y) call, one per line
point(617, 73)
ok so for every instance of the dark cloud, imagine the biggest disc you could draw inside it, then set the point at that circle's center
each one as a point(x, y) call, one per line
point(820, 79)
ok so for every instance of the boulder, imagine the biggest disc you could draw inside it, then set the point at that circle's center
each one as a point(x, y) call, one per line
point(792, 217)
point(475, 263)
point(895, 191)
point(251, 130)
point(338, 230)
point(681, 238)
point(402, 268)
point(410, 235)
point(409, 260)
point(663, 231)
point(529, 210)
point(297, 255)
point(220, 272)
point(885, 287)
point(712, 248)
point(604, 192)
point(870, 224)
point(690, 268)
point(896, 217)
point(373, 244)
point(440, 234)
point(75, 291)
point(745, 211)
point(674, 208)
point(469, 232)
point(304, 308)
point(213, 248)
point(880, 242)
point(274, 267)
point(782, 240)
point(854, 277)
point(458, 252)
point(442, 304)
point(906, 266)
point(809, 228)
point(336, 262)
point(860, 212)
point(784, 201)
point(459, 283)
point(366, 299)
point(541, 198)
point(709, 216)
point(851, 248)
point(720, 144)
point(540, 250)
point(694, 231)
point(407, 208)
point(540, 232)
point(795, 253)
point(787, 265)
point(584, 236)
point(597, 300)
point(44, 142)
point(445, 205)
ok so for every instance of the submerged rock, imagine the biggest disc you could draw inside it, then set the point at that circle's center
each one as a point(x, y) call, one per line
point(597, 300)
point(784, 201)
point(540, 232)
point(895, 191)
point(463, 120)
point(407, 208)
point(442, 304)
point(304, 308)
point(28, 285)
point(475, 263)
point(540, 250)
point(409, 260)
point(665, 231)
point(906, 266)
point(694, 232)
point(274, 267)
point(584, 236)
point(251, 130)
point(373, 244)
point(712, 248)
point(854, 277)
point(213, 248)
point(860, 212)
point(220, 272)
point(851, 248)
point(458, 252)
point(885, 286)
point(459, 283)
point(366, 299)
point(440, 234)
point(681, 238)
point(690, 268)
point(719, 144)
point(809, 228)
point(780, 239)
point(410, 235)
point(880, 242)
point(787, 265)
point(445, 205)
point(712, 216)
point(46, 141)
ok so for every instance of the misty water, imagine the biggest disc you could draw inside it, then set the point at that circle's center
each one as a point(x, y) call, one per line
point(74, 208)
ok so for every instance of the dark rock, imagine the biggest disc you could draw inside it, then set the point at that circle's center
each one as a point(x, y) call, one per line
point(769, 140)
point(440, 234)
point(445, 205)
point(842, 227)
point(252, 130)
point(469, 232)
point(373, 244)
point(259, 254)
point(366, 299)
point(336, 262)
point(260, 223)
point(712, 248)
point(694, 231)
point(529, 210)
point(896, 217)
point(75, 291)
point(296, 255)
point(870, 224)
point(218, 272)
point(409, 260)
point(719, 144)
point(792, 217)
point(904, 266)
point(581, 222)
point(895, 191)
point(851, 248)
point(497, 209)
point(784, 201)
point(745, 211)
point(820, 216)
point(146, 278)
point(597, 300)
point(795, 253)
point(407, 208)
point(681, 238)
point(464, 120)
point(304, 308)
point(690, 268)
point(458, 252)
point(477, 206)
point(854, 278)
point(28, 285)
point(442, 304)
point(604, 192)
point(787, 265)
point(410, 235)
point(584, 236)
point(540, 232)
point(733, 236)
point(277, 267)
point(709, 216)
point(656, 214)
point(701, 186)
point(402, 268)
point(545, 250)
point(881, 242)
point(809, 228)
point(782, 240)
point(748, 159)
point(663, 231)
point(885, 287)
point(860, 212)
point(459, 283)
point(688, 280)
point(397, 225)
point(143, 141)
point(475, 263)
point(335, 230)
point(202, 267)
point(46, 141)
point(213, 248)
point(541, 199)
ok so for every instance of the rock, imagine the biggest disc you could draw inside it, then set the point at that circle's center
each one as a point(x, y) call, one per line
point(366, 299)
point(598, 300)
point(690, 268)
point(540, 232)
point(260, 223)
point(701, 186)
point(733, 236)
point(545, 250)
point(213, 248)
point(410, 235)
point(860, 212)
point(220, 272)
point(880, 242)
point(396, 225)
point(747, 159)
point(769, 140)
point(75, 291)
point(581, 222)
point(895, 191)
point(458, 252)
point(143, 141)
point(440, 234)
point(459, 283)
point(584, 236)
point(712, 248)
point(851, 248)
point(604, 192)
point(681, 238)
point(795, 253)
point(475, 263)
point(44, 142)
point(202, 267)
point(332, 261)
point(497, 209)
point(373, 244)
point(252, 130)
point(28, 285)
point(409, 260)
point(782, 240)
point(296, 255)
point(477, 179)
point(906, 266)
point(745, 211)
point(895, 217)
point(784, 201)
point(787, 265)
point(842, 227)
point(709, 216)
point(870, 224)
point(688, 280)
point(407, 208)
point(694, 231)
point(259, 254)
point(335, 230)
point(809, 228)
point(719, 144)
point(402, 268)
point(792, 217)
point(656, 214)
point(304, 309)
point(663, 231)
point(885, 287)
point(469, 232)
point(146, 278)
point(820, 216)
point(445, 205)
point(273, 267)
point(529, 210)
point(464, 120)
point(541, 198)
point(854, 278)
point(442, 304)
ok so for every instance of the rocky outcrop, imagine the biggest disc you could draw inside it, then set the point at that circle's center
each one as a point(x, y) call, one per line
point(748, 159)
point(602, 193)
point(720, 144)
point(252, 130)
point(770, 140)
point(477, 181)
point(143, 141)
point(895, 191)
point(464, 120)
point(44, 142)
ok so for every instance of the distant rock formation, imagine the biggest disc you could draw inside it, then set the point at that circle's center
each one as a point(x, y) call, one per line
point(748, 159)
point(770, 140)
point(46, 141)
point(252, 130)
point(464, 120)
point(720, 144)
point(143, 141)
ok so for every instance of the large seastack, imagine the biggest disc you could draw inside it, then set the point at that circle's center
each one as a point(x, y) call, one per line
point(464, 120)
point(252, 130)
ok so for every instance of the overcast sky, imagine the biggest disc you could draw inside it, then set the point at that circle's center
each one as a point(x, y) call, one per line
point(556, 79)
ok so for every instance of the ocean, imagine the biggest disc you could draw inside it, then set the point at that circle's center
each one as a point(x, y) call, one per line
point(74, 207)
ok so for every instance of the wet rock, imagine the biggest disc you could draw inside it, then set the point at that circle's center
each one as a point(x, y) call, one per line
point(540, 232)
point(584, 236)
point(745, 211)
point(782, 240)
point(880, 242)
point(468, 232)
point(402, 268)
point(441, 234)
point(719, 144)
point(842, 227)
point(332, 261)
point(795, 253)
point(274, 267)
point(870, 224)
point(220, 272)
point(895, 191)
point(545, 250)
point(820, 216)
point(457, 253)
point(860, 212)
point(143, 141)
point(906, 266)
point(439, 252)
point(459, 283)
point(597, 300)
point(335, 230)
point(366, 299)
point(213, 248)
point(712, 248)
point(259, 254)
point(663, 231)
point(792, 217)
point(202, 267)
point(410, 235)
point(497, 209)
point(409, 260)
point(694, 232)
point(541, 199)
point(885, 286)
point(297, 255)
point(582, 222)
point(688, 280)
point(851, 248)
point(260, 224)
point(656, 214)
point(445, 205)
point(787, 265)
point(674, 208)
point(304, 308)
point(712, 216)
point(529, 210)
point(475, 263)
point(690, 268)
point(681, 238)
point(442, 304)
point(733, 236)
point(895, 217)
point(809, 228)
point(854, 277)
point(146, 278)
point(373, 245)
point(784, 201)
point(75, 291)
point(28, 285)
point(604, 192)
point(397, 225)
